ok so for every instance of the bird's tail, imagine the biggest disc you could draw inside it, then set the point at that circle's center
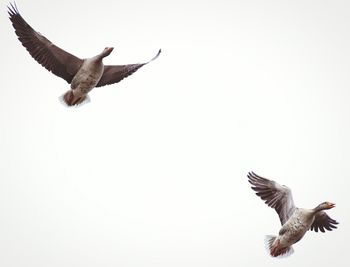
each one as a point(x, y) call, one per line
point(69, 100)
point(275, 250)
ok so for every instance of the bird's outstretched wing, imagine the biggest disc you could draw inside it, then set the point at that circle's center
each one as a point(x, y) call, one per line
point(53, 58)
point(323, 221)
point(116, 73)
point(275, 195)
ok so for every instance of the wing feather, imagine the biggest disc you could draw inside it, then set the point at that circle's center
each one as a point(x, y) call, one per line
point(50, 56)
point(275, 195)
point(323, 221)
point(116, 73)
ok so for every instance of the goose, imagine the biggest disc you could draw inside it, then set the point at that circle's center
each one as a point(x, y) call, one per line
point(82, 74)
point(295, 221)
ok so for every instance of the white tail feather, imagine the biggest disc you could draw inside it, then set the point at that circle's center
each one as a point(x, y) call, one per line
point(85, 101)
point(269, 239)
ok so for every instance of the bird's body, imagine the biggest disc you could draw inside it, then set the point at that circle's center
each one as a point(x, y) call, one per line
point(292, 231)
point(84, 81)
point(295, 221)
point(88, 75)
point(296, 226)
point(82, 74)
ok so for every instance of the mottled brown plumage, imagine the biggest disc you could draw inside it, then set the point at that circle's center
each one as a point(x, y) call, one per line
point(82, 74)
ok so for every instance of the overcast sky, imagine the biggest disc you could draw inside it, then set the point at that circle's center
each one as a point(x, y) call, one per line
point(153, 171)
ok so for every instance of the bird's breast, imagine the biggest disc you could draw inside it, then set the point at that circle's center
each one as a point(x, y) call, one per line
point(296, 227)
point(87, 77)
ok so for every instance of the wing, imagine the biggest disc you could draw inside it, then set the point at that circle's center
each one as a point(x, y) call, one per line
point(116, 73)
point(53, 58)
point(275, 195)
point(323, 221)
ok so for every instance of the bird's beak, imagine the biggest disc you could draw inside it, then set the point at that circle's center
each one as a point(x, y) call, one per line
point(331, 205)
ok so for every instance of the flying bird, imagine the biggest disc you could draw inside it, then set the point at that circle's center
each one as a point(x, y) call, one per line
point(82, 74)
point(295, 221)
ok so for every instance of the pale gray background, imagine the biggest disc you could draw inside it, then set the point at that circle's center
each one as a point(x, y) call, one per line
point(153, 171)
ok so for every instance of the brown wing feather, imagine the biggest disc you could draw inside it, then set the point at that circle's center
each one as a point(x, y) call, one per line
point(53, 58)
point(116, 73)
point(323, 221)
point(275, 195)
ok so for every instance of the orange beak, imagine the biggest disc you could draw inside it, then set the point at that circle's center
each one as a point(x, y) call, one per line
point(331, 205)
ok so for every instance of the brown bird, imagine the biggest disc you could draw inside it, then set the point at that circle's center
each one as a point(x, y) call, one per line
point(82, 74)
point(295, 221)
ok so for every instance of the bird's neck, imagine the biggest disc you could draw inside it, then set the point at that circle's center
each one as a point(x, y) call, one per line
point(317, 209)
point(99, 57)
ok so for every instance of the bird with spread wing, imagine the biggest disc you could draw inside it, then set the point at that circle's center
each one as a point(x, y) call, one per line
point(295, 221)
point(82, 74)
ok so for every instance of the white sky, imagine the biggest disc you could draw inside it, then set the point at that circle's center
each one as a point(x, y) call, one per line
point(153, 171)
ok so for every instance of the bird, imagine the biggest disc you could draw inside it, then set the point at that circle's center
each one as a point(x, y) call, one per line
point(82, 74)
point(295, 221)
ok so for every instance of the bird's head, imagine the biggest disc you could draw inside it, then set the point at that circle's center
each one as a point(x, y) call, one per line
point(325, 206)
point(106, 52)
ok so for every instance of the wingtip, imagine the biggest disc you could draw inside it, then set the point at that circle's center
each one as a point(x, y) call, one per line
point(159, 51)
point(252, 175)
point(12, 9)
point(12, 6)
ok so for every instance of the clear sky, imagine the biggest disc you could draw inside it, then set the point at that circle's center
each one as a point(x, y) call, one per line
point(153, 171)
